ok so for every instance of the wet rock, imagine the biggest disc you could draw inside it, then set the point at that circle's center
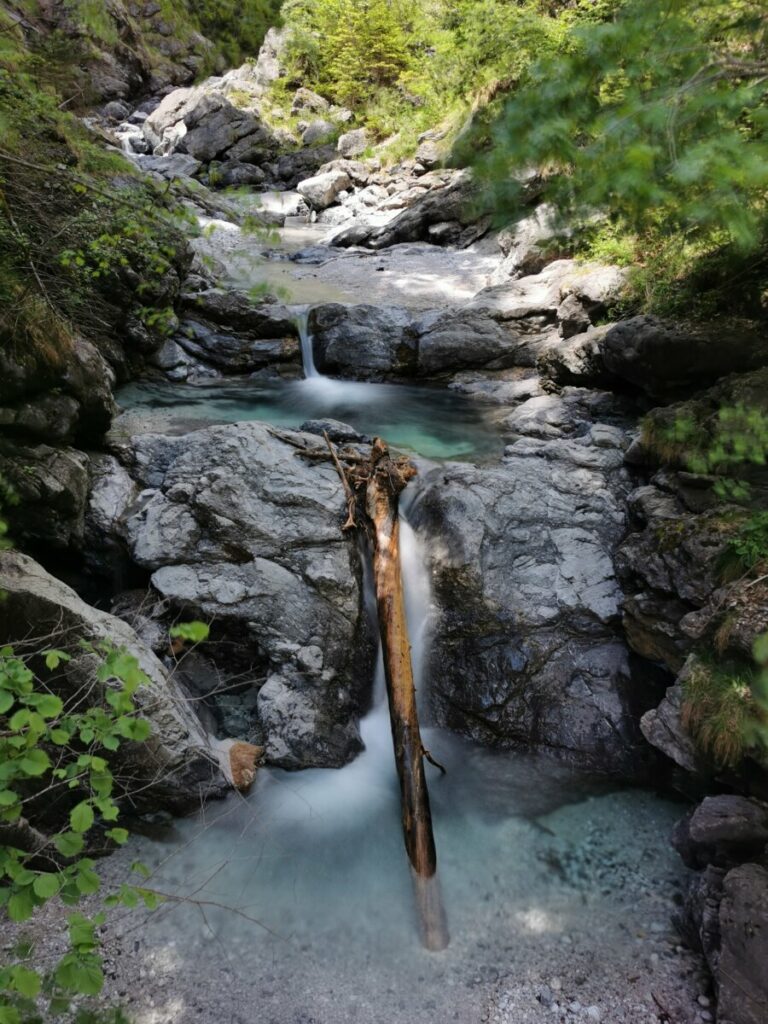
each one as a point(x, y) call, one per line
point(174, 767)
point(365, 342)
point(527, 648)
point(234, 353)
point(237, 528)
point(52, 487)
point(741, 975)
point(322, 190)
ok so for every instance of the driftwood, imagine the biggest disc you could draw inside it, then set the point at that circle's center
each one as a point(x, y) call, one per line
point(372, 488)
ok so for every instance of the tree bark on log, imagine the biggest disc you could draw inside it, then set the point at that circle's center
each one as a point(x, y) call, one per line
point(386, 479)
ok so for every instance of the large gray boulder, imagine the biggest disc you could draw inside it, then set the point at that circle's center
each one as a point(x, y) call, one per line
point(235, 527)
point(462, 339)
point(666, 358)
point(454, 199)
point(363, 342)
point(526, 648)
point(178, 765)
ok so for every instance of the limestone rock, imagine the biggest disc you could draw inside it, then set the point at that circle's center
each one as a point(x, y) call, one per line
point(352, 143)
point(322, 190)
point(236, 528)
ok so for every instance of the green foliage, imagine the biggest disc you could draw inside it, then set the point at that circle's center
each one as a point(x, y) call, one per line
point(236, 26)
point(405, 67)
point(669, 140)
point(720, 711)
point(748, 548)
point(82, 238)
point(736, 440)
point(656, 132)
point(53, 749)
point(194, 632)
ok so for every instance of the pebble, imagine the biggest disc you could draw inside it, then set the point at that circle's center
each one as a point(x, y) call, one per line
point(705, 1015)
point(703, 1001)
point(593, 1012)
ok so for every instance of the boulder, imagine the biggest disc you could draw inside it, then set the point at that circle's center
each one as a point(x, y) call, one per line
point(363, 342)
point(460, 340)
point(726, 829)
point(741, 975)
point(529, 245)
point(665, 358)
point(305, 99)
point(318, 131)
point(321, 191)
point(526, 644)
point(353, 143)
point(52, 487)
point(175, 766)
point(663, 728)
point(236, 528)
point(454, 199)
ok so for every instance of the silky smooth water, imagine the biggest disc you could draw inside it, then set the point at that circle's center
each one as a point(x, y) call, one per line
point(437, 424)
point(294, 904)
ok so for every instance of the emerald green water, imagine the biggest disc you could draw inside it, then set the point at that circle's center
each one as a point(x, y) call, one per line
point(437, 424)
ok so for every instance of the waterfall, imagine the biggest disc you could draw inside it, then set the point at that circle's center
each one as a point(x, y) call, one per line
point(307, 354)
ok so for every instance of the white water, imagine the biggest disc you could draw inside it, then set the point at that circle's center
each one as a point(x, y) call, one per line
point(307, 350)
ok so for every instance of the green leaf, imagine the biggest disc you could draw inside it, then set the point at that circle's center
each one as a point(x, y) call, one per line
point(8, 797)
point(20, 905)
point(35, 762)
point(54, 658)
point(87, 881)
point(81, 817)
point(46, 886)
point(9, 1015)
point(118, 835)
point(69, 844)
point(26, 982)
point(6, 701)
point(81, 975)
point(50, 706)
point(194, 632)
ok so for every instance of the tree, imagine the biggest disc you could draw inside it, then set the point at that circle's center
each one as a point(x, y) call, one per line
point(658, 116)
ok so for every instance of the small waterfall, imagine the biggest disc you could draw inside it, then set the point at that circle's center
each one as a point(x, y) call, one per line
point(307, 353)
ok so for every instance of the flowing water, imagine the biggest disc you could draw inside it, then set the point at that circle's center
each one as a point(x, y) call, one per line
point(304, 905)
point(294, 905)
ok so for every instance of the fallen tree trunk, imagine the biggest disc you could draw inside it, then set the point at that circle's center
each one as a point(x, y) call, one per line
point(385, 481)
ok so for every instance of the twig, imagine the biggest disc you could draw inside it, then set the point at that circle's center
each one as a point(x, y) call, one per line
point(350, 494)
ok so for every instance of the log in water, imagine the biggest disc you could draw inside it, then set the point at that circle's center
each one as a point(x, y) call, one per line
point(385, 481)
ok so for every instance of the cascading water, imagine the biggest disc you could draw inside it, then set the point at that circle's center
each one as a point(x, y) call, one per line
point(307, 351)
point(307, 903)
